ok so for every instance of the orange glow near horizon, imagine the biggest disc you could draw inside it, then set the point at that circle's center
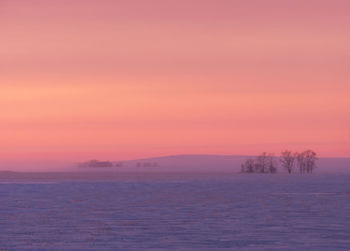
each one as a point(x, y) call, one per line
point(125, 79)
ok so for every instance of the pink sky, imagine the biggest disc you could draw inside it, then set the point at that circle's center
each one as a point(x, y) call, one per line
point(128, 79)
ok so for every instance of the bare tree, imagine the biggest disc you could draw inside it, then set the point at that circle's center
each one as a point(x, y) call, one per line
point(248, 166)
point(301, 162)
point(287, 160)
point(262, 163)
point(310, 160)
point(306, 161)
point(272, 166)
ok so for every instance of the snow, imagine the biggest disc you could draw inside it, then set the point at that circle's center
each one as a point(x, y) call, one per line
point(173, 211)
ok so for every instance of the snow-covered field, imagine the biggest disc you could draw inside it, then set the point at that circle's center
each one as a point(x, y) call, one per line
point(174, 211)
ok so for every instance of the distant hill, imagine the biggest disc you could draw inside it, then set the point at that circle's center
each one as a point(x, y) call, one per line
point(190, 163)
point(212, 163)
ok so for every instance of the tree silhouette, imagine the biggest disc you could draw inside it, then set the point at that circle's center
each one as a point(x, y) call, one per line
point(287, 160)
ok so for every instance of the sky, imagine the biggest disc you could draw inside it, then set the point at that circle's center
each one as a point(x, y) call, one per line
point(130, 79)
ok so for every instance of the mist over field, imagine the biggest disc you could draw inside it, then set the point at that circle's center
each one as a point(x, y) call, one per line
point(174, 163)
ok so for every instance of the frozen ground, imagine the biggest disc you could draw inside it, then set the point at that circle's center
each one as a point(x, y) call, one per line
point(174, 211)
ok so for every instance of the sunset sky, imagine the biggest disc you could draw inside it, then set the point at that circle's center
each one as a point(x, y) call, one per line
point(127, 79)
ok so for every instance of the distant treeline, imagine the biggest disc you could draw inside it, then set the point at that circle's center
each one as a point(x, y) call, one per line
point(97, 164)
point(304, 162)
point(147, 164)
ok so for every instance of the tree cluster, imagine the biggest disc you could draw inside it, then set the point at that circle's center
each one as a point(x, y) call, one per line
point(304, 162)
point(265, 163)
